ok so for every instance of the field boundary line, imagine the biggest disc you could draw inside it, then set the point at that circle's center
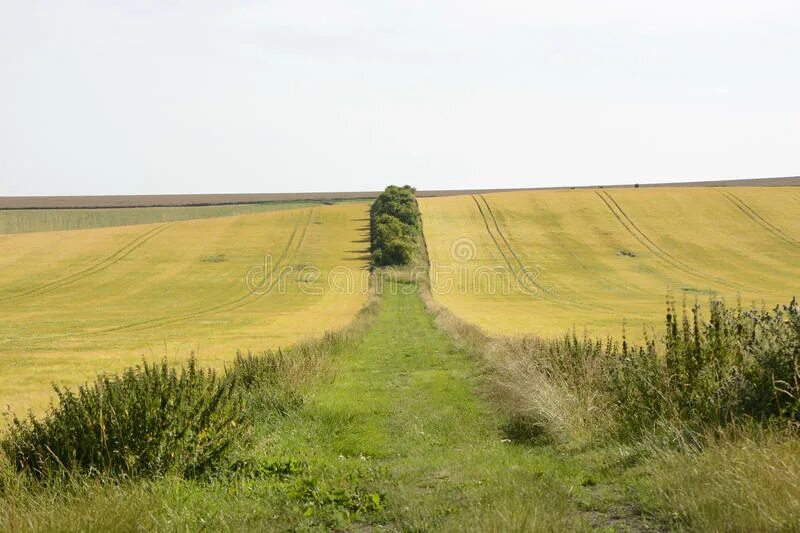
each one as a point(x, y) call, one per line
point(754, 216)
point(99, 266)
point(656, 250)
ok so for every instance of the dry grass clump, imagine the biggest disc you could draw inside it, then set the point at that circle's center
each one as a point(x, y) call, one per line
point(745, 482)
point(551, 396)
point(543, 397)
point(706, 372)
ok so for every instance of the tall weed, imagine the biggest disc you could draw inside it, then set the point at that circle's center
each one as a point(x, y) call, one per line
point(736, 364)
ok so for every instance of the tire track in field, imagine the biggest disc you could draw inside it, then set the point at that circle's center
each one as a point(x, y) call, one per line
point(656, 250)
point(232, 305)
point(522, 268)
point(754, 216)
point(101, 265)
point(505, 240)
point(489, 231)
point(291, 260)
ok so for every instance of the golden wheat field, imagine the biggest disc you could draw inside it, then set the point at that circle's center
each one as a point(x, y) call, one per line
point(75, 303)
point(543, 262)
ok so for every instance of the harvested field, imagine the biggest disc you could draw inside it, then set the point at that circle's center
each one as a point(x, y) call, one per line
point(546, 261)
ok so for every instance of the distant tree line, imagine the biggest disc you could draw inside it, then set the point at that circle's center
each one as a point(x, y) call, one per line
point(394, 226)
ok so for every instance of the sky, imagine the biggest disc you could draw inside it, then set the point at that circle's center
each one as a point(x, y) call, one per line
point(113, 97)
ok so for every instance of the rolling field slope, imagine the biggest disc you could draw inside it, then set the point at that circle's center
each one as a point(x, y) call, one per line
point(74, 303)
point(545, 261)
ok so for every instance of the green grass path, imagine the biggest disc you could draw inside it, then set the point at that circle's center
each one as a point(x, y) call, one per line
point(402, 418)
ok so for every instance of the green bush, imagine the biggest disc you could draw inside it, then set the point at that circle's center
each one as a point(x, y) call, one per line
point(398, 202)
point(150, 420)
point(704, 373)
point(388, 228)
point(394, 226)
point(738, 363)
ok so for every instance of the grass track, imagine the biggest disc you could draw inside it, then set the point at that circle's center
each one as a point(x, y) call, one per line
point(404, 408)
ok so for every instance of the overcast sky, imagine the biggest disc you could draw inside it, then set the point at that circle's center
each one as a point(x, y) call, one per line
point(113, 97)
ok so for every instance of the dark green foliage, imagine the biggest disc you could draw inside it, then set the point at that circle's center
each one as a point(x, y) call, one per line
point(388, 227)
point(394, 252)
point(394, 226)
point(150, 420)
point(735, 364)
point(398, 202)
point(251, 469)
point(738, 364)
point(318, 497)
